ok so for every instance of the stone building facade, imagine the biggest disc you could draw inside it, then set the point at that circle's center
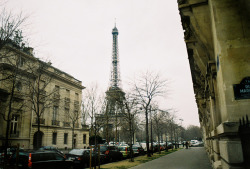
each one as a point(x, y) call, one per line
point(62, 91)
point(217, 37)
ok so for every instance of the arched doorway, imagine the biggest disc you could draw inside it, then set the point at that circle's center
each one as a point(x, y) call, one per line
point(37, 140)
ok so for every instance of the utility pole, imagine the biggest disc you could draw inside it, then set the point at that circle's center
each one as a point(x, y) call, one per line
point(152, 148)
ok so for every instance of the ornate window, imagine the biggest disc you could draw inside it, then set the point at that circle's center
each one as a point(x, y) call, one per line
point(14, 124)
point(55, 113)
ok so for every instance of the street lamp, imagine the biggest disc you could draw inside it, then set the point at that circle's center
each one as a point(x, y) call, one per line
point(181, 120)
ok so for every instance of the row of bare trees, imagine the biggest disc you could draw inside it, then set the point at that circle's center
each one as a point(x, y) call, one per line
point(139, 99)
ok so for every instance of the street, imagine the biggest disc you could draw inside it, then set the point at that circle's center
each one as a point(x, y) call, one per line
point(192, 158)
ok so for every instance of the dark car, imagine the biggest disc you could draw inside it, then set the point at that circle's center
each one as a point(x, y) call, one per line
point(169, 145)
point(80, 157)
point(138, 150)
point(111, 153)
point(51, 148)
point(41, 160)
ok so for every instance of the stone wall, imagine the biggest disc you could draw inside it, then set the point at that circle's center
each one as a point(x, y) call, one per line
point(217, 36)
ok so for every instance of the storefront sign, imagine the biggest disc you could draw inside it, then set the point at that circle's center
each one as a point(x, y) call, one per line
point(242, 90)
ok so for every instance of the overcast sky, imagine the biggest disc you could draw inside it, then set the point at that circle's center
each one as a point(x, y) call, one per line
point(75, 35)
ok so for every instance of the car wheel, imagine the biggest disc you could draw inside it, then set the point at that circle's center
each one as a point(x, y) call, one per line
point(85, 165)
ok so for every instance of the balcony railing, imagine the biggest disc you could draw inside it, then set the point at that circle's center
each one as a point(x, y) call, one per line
point(85, 126)
point(55, 123)
point(66, 124)
point(14, 134)
point(42, 121)
point(67, 102)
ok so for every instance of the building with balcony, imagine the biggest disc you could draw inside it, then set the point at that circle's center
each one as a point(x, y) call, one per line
point(34, 96)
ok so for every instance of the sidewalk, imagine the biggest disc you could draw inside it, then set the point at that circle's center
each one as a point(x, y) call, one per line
point(192, 158)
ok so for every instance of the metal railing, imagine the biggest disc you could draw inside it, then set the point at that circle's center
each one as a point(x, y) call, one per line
point(244, 133)
point(42, 121)
point(14, 134)
point(55, 123)
point(66, 124)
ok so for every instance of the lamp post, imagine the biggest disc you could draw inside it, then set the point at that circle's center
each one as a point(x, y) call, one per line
point(152, 149)
point(181, 120)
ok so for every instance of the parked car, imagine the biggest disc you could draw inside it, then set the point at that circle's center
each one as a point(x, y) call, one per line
point(80, 157)
point(138, 150)
point(50, 148)
point(156, 147)
point(41, 160)
point(169, 145)
point(124, 150)
point(201, 144)
point(111, 153)
point(194, 143)
point(10, 152)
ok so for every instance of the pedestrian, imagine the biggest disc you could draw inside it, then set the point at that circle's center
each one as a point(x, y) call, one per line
point(186, 144)
point(183, 144)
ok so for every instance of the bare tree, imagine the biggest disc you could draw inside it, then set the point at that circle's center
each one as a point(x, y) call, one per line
point(158, 117)
point(10, 71)
point(173, 129)
point(92, 104)
point(41, 96)
point(10, 36)
point(102, 119)
point(193, 133)
point(148, 86)
point(166, 126)
point(12, 100)
point(9, 27)
point(130, 109)
point(74, 115)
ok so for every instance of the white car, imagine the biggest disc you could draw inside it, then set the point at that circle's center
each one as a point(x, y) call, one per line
point(194, 143)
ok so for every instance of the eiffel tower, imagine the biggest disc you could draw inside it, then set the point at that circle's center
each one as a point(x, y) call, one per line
point(115, 96)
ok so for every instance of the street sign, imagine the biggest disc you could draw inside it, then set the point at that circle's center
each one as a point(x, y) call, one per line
point(242, 90)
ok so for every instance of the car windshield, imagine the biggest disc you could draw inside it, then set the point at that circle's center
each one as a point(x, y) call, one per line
point(47, 148)
point(76, 152)
point(103, 148)
point(122, 148)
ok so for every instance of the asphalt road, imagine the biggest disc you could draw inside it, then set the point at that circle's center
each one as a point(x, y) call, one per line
point(192, 158)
